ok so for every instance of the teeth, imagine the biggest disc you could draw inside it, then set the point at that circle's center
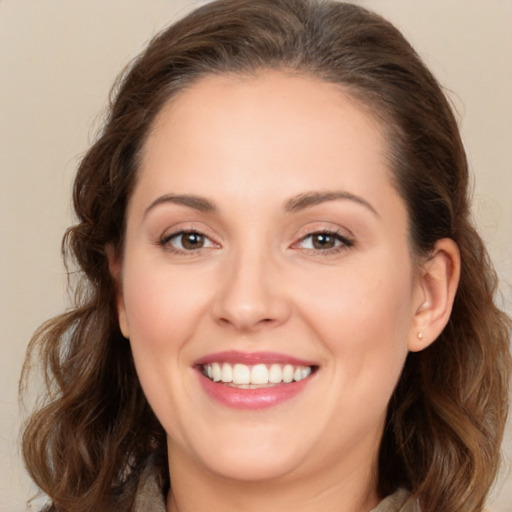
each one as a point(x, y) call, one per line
point(275, 374)
point(216, 372)
point(227, 373)
point(241, 374)
point(288, 373)
point(259, 374)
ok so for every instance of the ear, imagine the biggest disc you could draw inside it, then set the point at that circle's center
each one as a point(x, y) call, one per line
point(438, 279)
point(115, 266)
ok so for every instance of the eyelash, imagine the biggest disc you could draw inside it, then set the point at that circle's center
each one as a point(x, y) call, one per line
point(342, 242)
point(166, 241)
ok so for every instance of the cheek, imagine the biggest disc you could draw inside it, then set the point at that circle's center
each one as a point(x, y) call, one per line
point(363, 317)
point(161, 305)
point(163, 308)
point(361, 300)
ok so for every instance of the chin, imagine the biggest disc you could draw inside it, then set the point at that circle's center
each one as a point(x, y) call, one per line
point(254, 469)
point(249, 457)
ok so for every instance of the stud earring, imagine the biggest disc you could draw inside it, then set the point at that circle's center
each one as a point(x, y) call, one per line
point(420, 336)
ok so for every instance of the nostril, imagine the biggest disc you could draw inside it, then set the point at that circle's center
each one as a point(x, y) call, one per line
point(247, 310)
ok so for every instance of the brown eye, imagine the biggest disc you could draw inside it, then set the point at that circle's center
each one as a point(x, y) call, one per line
point(191, 241)
point(323, 241)
point(187, 241)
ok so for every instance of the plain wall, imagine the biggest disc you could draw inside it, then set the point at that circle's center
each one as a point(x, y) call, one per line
point(58, 59)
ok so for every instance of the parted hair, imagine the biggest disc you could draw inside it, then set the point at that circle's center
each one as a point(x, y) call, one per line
point(86, 442)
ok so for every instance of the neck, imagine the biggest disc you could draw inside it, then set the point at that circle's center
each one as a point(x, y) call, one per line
point(332, 489)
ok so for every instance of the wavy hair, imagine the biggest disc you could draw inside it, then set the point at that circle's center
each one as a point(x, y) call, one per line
point(88, 439)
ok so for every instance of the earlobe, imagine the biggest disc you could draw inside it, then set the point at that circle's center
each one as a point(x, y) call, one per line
point(437, 286)
point(122, 319)
point(115, 267)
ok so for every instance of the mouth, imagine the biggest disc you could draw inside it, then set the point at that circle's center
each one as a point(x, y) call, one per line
point(253, 380)
point(244, 376)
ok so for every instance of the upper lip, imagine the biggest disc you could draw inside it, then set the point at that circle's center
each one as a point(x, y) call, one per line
point(252, 358)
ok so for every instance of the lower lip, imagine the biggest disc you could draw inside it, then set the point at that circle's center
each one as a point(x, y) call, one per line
point(259, 398)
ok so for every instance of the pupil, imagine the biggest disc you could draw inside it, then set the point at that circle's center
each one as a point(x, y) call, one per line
point(193, 241)
point(323, 241)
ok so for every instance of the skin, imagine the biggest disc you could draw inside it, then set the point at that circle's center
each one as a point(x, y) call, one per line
point(251, 146)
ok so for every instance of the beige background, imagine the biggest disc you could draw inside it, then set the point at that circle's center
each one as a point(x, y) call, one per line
point(58, 59)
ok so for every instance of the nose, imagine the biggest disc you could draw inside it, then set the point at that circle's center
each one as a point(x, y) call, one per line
point(252, 294)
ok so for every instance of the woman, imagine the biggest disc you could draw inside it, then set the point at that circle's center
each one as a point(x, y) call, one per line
point(284, 304)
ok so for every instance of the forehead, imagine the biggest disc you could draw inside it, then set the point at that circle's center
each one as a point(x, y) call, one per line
point(278, 91)
point(249, 145)
point(271, 121)
point(262, 136)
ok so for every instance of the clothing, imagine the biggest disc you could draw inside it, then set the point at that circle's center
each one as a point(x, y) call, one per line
point(400, 501)
point(150, 497)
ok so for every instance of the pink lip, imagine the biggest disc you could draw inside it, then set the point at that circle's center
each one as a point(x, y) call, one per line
point(259, 398)
point(251, 358)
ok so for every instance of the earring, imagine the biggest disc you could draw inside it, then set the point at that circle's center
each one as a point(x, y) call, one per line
point(420, 335)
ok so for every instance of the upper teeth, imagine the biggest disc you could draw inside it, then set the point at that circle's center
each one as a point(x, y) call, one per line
point(258, 374)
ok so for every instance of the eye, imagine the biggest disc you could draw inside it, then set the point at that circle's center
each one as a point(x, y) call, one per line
point(326, 241)
point(187, 241)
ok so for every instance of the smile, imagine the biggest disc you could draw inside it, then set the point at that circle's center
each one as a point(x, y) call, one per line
point(254, 381)
point(260, 375)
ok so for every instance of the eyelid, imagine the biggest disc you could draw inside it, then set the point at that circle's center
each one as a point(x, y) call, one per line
point(345, 240)
point(168, 228)
point(165, 240)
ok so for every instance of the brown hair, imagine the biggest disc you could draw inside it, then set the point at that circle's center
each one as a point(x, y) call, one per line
point(86, 444)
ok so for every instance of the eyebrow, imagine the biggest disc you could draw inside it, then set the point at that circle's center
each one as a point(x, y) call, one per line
point(295, 204)
point(197, 203)
point(309, 199)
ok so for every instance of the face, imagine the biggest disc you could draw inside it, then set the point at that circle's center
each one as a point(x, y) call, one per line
point(268, 291)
